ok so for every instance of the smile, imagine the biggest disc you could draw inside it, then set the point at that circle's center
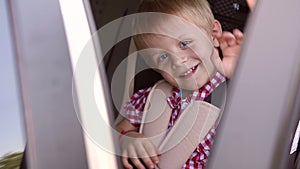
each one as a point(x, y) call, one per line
point(190, 71)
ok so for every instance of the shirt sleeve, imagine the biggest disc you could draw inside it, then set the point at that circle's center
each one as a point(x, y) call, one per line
point(135, 106)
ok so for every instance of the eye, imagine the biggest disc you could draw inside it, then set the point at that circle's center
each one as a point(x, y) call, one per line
point(184, 44)
point(163, 57)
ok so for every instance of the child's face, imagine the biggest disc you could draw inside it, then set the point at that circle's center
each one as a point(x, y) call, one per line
point(184, 61)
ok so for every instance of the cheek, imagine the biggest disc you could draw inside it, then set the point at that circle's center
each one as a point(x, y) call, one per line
point(202, 48)
point(210, 63)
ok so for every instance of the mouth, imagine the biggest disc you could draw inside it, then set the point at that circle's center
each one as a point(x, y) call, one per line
point(190, 72)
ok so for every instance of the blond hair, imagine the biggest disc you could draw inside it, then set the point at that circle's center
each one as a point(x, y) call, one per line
point(197, 12)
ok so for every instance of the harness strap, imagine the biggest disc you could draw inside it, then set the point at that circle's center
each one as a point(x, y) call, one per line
point(154, 124)
point(189, 130)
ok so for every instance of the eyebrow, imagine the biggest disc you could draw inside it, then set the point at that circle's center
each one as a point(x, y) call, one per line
point(154, 51)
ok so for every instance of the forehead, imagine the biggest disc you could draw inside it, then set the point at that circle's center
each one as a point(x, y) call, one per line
point(166, 24)
point(158, 44)
point(159, 41)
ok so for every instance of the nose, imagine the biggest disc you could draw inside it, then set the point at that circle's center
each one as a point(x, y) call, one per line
point(180, 60)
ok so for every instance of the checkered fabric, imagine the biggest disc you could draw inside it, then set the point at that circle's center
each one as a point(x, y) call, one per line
point(134, 111)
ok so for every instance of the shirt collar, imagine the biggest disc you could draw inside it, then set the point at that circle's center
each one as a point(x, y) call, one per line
point(175, 99)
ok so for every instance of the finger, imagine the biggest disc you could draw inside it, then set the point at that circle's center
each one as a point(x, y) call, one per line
point(137, 163)
point(238, 35)
point(225, 39)
point(133, 157)
point(218, 63)
point(125, 161)
point(142, 153)
point(152, 151)
point(229, 38)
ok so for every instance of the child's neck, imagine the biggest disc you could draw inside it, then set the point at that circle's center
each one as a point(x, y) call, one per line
point(185, 93)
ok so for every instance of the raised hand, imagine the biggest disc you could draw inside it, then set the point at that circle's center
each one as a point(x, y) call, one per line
point(230, 44)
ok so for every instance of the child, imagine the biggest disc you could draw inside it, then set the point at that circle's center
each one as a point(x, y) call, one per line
point(180, 43)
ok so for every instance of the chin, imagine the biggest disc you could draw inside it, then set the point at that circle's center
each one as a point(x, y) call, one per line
point(189, 86)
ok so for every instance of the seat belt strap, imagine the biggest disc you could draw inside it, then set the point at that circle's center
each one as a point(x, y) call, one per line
point(189, 130)
point(156, 113)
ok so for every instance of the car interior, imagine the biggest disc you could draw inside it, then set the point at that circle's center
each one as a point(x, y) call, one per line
point(70, 58)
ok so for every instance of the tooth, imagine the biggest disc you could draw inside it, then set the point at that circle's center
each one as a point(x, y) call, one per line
point(189, 71)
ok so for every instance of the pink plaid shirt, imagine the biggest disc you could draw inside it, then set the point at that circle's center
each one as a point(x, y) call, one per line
point(134, 111)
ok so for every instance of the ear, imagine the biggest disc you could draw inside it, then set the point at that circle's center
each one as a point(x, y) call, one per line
point(216, 32)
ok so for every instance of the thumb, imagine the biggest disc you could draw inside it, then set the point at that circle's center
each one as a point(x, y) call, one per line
point(216, 60)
